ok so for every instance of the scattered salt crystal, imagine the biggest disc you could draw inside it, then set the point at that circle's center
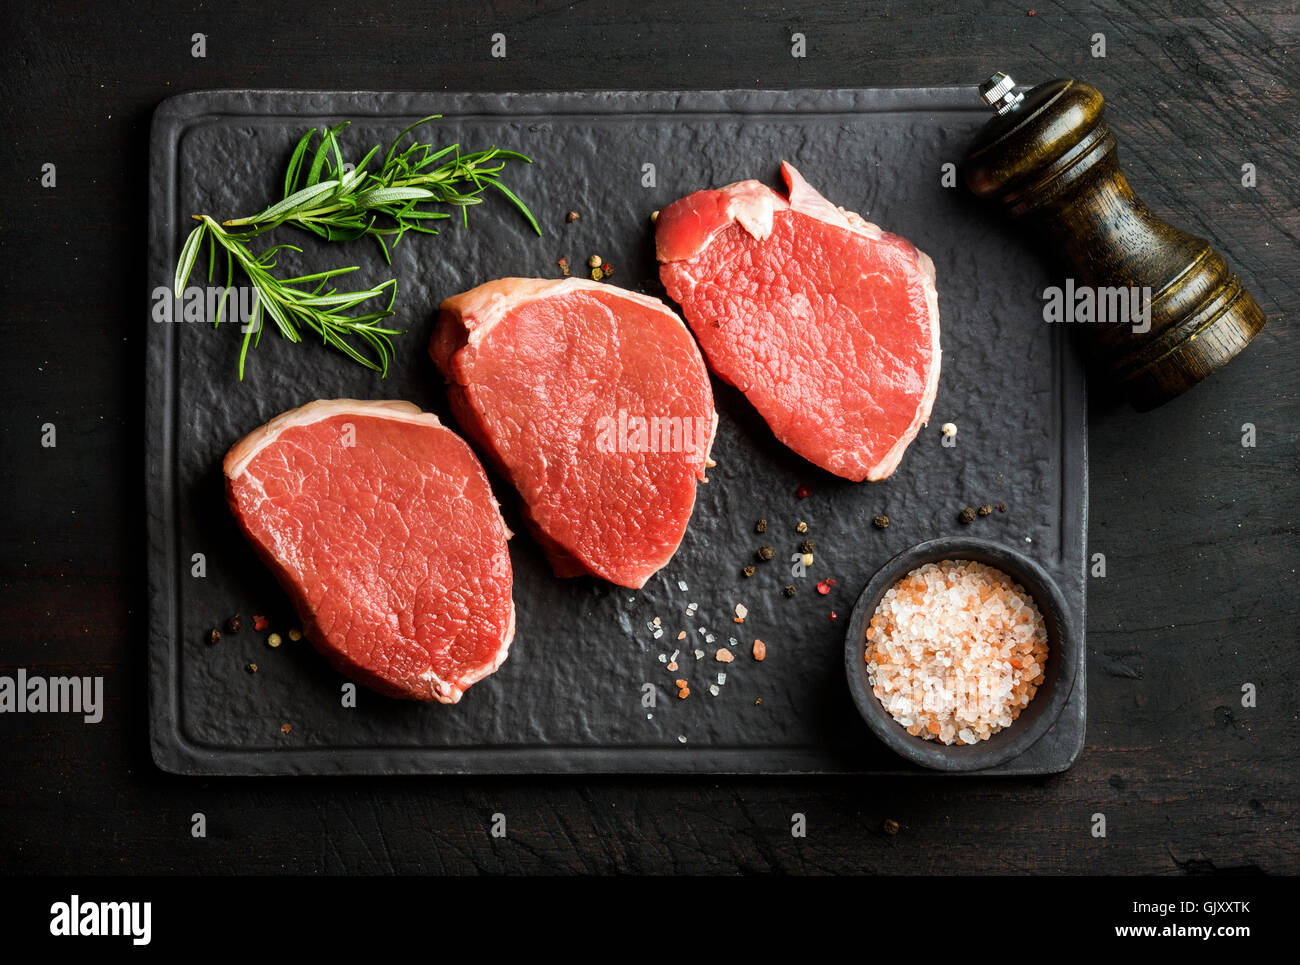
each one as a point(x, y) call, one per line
point(658, 634)
point(656, 622)
point(691, 608)
point(681, 585)
point(663, 658)
point(674, 656)
point(709, 638)
point(703, 630)
point(649, 716)
point(699, 654)
point(722, 679)
point(681, 738)
point(742, 611)
point(713, 689)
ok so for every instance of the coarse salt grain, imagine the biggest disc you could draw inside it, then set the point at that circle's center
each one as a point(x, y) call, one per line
point(955, 651)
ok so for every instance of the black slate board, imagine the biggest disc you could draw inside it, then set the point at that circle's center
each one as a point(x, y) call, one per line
point(569, 699)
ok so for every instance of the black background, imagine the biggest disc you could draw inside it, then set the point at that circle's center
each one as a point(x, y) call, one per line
point(1198, 531)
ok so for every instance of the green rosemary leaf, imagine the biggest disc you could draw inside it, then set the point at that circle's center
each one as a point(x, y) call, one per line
point(295, 162)
point(379, 197)
point(328, 140)
point(514, 199)
point(299, 199)
point(189, 252)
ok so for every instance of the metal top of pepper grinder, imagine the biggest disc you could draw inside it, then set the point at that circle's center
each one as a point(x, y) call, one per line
point(1052, 162)
point(999, 92)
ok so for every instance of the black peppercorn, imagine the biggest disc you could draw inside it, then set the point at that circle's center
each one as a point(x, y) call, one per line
point(967, 515)
point(748, 571)
point(760, 526)
point(985, 510)
point(214, 635)
point(766, 553)
point(880, 522)
point(807, 546)
point(789, 590)
point(234, 624)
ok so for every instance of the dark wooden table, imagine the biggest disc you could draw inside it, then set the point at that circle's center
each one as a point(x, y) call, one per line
point(1200, 595)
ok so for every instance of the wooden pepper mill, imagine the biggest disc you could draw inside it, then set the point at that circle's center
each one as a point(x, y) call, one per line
point(1050, 159)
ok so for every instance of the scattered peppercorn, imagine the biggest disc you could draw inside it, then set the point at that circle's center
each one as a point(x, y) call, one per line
point(802, 527)
point(214, 635)
point(748, 571)
point(654, 216)
point(564, 266)
point(807, 546)
point(1002, 507)
point(285, 728)
point(593, 261)
point(834, 616)
point(608, 269)
point(260, 622)
point(274, 640)
point(295, 634)
point(891, 826)
point(234, 624)
point(824, 586)
point(881, 522)
point(597, 274)
point(967, 515)
point(571, 217)
point(251, 668)
point(806, 559)
point(766, 553)
point(760, 526)
point(803, 492)
point(788, 590)
point(986, 509)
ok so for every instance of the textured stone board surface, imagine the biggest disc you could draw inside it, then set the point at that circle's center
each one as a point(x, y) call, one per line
point(569, 697)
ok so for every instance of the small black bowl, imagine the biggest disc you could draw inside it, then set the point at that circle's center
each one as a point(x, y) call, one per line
point(1034, 721)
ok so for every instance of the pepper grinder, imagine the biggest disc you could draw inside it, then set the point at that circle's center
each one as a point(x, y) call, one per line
point(1050, 160)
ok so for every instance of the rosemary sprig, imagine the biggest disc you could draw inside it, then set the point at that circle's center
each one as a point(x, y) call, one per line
point(336, 203)
point(340, 203)
point(290, 302)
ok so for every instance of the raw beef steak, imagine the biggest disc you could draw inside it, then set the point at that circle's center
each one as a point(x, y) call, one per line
point(829, 325)
point(594, 403)
point(380, 524)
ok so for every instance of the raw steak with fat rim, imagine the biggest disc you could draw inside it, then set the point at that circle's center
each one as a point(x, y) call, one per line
point(829, 325)
point(380, 524)
point(594, 403)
